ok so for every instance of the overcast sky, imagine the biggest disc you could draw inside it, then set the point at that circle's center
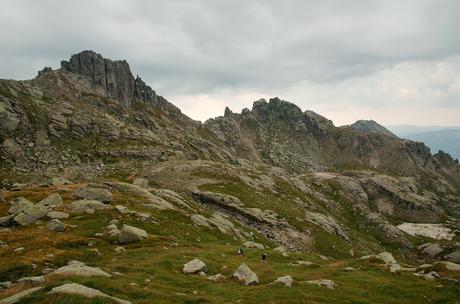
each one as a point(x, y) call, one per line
point(397, 62)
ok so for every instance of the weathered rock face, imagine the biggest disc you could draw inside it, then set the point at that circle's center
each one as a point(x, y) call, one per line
point(371, 126)
point(86, 292)
point(327, 223)
point(114, 80)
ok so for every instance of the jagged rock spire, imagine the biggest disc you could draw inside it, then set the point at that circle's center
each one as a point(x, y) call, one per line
point(112, 79)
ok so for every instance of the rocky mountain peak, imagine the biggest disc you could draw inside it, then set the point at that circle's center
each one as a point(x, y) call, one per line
point(371, 126)
point(227, 112)
point(275, 108)
point(114, 79)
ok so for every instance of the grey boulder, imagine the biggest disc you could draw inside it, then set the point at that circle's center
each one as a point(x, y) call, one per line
point(77, 268)
point(83, 291)
point(85, 205)
point(57, 215)
point(253, 245)
point(285, 280)
point(194, 266)
point(433, 250)
point(31, 214)
point(245, 275)
point(97, 194)
point(131, 234)
point(52, 200)
point(18, 205)
point(453, 257)
point(56, 226)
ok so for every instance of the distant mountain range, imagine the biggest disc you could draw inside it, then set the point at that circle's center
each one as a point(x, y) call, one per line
point(437, 138)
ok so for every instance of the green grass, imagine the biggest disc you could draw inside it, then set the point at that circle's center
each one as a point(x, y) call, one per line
point(150, 271)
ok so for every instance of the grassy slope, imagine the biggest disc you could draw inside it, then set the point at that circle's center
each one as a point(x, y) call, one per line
point(175, 240)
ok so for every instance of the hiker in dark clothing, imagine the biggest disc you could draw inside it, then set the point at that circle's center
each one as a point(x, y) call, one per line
point(264, 257)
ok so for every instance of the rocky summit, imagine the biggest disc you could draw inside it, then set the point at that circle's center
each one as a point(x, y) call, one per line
point(110, 193)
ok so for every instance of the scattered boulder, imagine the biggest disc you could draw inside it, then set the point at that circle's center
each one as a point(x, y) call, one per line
point(225, 226)
point(31, 214)
point(449, 265)
point(433, 250)
point(253, 245)
point(387, 258)
point(194, 266)
point(57, 215)
point(5, 285)
point(18, 187)
point(58, 181)
point(285, 280)
point(145, 216)
point(453, 257)
point(114, 222)
point(434, 231)
point(18, 205)
point(245, 275)
point(424, 267)
point(430, 276)
point(122, 209)
point(85, 205)
point(281, 250)
point(130, 234)
point(6, 220)
point(218, 199)
point(77, 268)
point(326, 283)
point(19, 296)
point(113, 231)
point(52, 200)
point(32, 280)
point(172, 197)
point(141, 182)
point(119, 249)
point(327, 223)
point(56, 225)
point(216, 278)
point(304, 263)
point(200, 220)
point(83, 291)
point(154, 201)
point(97, 194)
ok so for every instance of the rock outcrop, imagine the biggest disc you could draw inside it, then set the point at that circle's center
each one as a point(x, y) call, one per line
point(86, 292)
point(371, 127)
point(114, 80)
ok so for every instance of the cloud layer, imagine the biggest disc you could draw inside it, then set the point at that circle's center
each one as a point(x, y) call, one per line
point(392, 61)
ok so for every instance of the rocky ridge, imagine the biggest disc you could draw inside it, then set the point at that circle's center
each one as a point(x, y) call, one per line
point(105, 170)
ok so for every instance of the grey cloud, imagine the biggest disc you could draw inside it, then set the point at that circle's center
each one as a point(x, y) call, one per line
point(200, 46)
